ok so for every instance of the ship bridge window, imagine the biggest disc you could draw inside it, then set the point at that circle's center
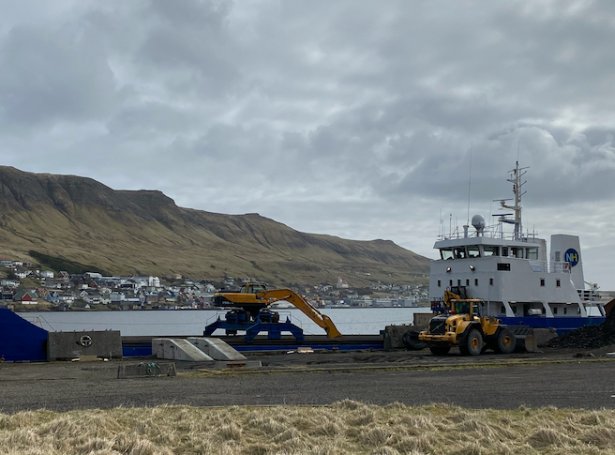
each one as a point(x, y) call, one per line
point(460, 253)
point(446, 253)
point(532, 254)
point(489, 250)
point(473, 251)
point(517, 252)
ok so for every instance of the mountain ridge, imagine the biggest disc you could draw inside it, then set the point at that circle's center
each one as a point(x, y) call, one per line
point(144, 231)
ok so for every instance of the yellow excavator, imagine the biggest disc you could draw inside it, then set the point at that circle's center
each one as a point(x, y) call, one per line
point(255, 298)
point(461, 324)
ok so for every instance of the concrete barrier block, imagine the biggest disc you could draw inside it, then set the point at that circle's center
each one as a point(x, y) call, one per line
point(216, 348)
point(88, 344)
point(393, 336)
point(146, 370)
point(177, 349)
point(421, 321)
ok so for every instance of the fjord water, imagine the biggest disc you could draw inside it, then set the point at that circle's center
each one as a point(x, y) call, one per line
point(350, 321)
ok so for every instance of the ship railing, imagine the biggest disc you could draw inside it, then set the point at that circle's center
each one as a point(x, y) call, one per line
point(493, 232)
point(589, 296)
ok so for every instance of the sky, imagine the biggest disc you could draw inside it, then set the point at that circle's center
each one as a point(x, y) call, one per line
point(361, 119)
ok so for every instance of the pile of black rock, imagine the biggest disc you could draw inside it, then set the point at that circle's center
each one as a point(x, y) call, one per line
point(588, 337)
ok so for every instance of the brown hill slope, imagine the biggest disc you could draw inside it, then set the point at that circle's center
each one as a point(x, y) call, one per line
point(144, 232)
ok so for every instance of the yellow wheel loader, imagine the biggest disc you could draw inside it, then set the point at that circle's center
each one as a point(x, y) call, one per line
point(460, 324)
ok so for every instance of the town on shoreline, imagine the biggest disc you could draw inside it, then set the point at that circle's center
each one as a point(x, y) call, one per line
point(27, 287)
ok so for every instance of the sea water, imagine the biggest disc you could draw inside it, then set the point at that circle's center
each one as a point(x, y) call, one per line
point(349, 321)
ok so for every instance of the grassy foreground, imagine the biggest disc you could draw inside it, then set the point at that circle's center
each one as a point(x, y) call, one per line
point(344, 427)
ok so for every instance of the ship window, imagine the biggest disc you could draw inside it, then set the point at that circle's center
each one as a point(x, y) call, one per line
point(450, 282)
point(565, 310)
point(475, 281)
point(489, 250)
point(517, 252)
point(558, 256)
point(439, 283)
point(504, 266)
point(458, 282)
point(554, 310)
point(532, 253)
point(460, 253)
point(446, 253)
point(542, 282)
point(490, 281)
point(505, 251)
point(473, 251)
point(558, 283)
point(467, 282)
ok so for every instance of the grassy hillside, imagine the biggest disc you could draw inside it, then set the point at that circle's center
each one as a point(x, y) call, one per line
point(82, 221)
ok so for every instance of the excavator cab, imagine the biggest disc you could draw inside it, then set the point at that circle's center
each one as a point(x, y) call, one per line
point(252, 288)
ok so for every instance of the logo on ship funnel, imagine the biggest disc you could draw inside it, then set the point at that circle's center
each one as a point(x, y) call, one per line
point(571, 256)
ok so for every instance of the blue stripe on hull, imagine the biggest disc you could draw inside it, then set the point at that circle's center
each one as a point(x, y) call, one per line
point(561, 324)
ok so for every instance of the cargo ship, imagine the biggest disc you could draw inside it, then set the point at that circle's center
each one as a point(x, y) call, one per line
point(510, 272)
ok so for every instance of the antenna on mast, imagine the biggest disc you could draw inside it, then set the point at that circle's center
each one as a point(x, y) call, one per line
point(469, 188)
point(518, 192)
point(467, 225)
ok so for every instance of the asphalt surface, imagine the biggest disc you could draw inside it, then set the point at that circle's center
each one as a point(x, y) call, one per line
point(559, 378)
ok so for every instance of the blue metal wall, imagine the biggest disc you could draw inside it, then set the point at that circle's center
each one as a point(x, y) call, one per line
point(20, 340)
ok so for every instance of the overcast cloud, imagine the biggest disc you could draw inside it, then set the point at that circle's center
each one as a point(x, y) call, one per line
point(357, 118)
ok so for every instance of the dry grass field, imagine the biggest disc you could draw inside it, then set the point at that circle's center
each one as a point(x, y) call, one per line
point(345, 427)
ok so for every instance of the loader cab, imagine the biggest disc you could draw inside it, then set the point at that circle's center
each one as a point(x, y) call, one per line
point(462, 307)
point(471, 308)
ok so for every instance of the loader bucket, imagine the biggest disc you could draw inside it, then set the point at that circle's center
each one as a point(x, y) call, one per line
point(526, 340)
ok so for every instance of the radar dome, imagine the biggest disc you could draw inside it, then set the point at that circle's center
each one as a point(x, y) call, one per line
point(478, 222)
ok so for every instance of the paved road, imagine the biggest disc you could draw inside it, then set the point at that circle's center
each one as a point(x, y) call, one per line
point(582, 383)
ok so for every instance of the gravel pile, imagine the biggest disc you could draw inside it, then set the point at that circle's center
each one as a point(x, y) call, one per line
point(589, 337)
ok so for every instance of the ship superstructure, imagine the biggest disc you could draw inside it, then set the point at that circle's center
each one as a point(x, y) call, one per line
point(511, 273)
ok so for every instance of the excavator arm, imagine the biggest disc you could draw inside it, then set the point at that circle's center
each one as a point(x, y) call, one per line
point(322, 320)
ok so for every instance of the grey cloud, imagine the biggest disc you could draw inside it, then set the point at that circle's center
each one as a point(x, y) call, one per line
point(353, 117)
point(54, 74)
point(148, 119)
point(191, 48)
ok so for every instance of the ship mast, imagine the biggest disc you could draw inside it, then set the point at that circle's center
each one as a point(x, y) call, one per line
point(515, 179)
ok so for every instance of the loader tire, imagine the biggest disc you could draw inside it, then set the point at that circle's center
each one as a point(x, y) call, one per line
point(505, 342)
point(472, 343)
point(440, 350)
point(411, 341)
